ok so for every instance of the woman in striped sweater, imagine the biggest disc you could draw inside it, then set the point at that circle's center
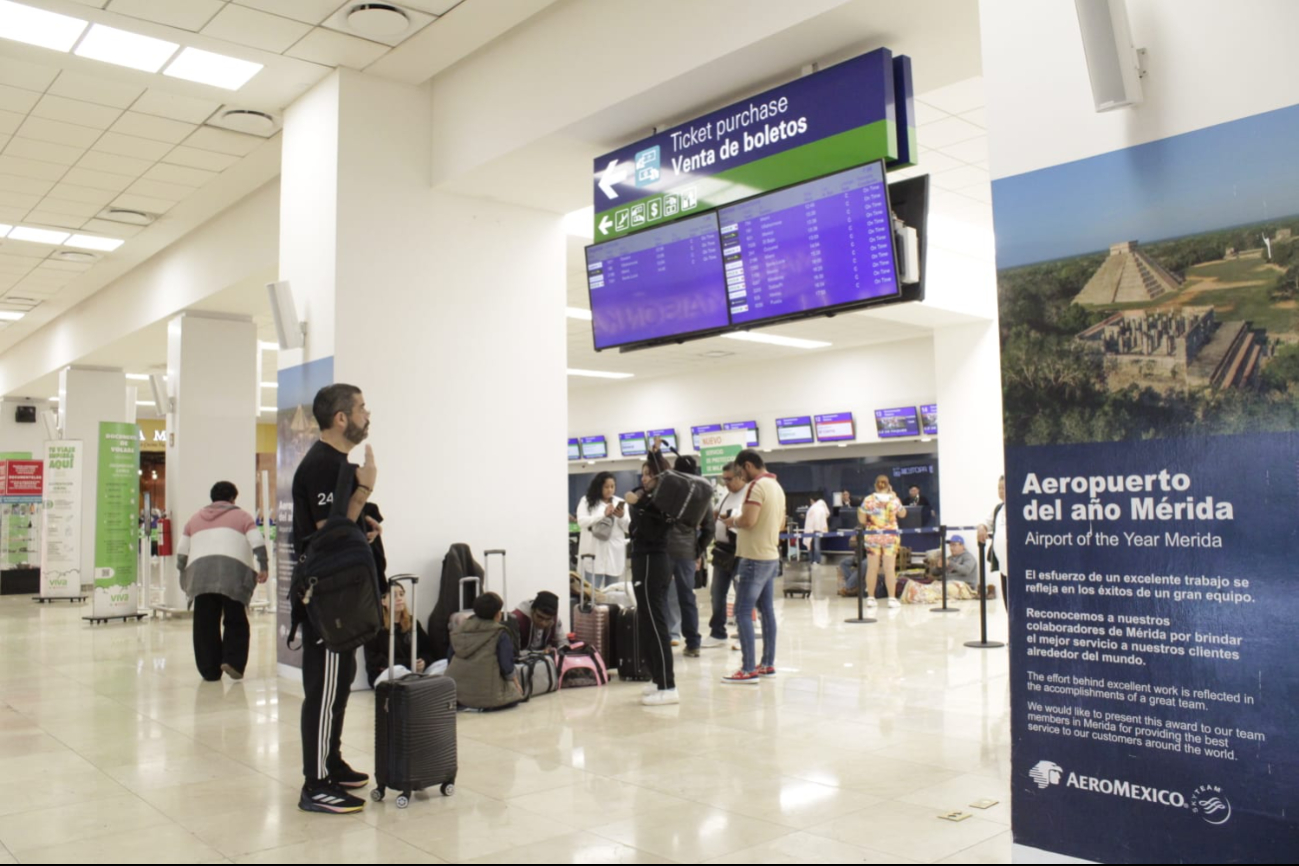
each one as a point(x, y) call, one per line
point(215, 557)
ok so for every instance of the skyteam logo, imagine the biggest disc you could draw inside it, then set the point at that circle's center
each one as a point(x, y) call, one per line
point(647, 167)
point(1046, 774)
point(1211, 804)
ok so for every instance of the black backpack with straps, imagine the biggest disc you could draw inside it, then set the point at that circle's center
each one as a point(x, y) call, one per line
point(336, 580)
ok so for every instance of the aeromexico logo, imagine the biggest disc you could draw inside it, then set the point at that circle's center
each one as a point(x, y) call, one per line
point(1208, 801)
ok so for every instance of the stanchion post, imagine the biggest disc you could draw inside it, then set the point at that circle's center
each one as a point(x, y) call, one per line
point(942, 543)
point(861, 579)
point(983, 643)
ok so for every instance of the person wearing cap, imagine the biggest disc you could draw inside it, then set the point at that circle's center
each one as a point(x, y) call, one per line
point(539, 625)
point(961, 564)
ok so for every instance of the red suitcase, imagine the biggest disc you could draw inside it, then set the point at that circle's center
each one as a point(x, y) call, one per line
point(593, 623)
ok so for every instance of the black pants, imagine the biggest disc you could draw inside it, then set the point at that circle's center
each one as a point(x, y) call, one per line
point(327, 680)
point(211, 649)
point(651, 576)
point(1005, 599)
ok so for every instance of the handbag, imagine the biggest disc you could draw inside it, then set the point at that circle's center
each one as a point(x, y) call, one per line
point(603, 528)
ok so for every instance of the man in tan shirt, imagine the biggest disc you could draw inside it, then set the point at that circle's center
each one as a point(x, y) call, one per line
point(757, 529)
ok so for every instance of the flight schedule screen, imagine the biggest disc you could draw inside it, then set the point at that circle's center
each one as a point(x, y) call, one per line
point(819, 244)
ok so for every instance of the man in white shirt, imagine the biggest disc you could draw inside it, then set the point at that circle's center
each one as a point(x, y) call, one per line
point(994, 528)
point(815, 524)
point(724, 554)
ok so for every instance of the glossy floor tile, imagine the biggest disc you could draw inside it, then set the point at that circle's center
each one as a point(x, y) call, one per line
point(113, 750)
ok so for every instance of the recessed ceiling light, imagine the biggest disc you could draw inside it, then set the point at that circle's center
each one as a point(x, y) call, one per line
point(578, 313)
point(377, 20)
point(138, 377)
point(126, 215)
point(10, 315)
point(599, 374)
point(248, 121)
point(90, 242)
point(75, 256)
point(38, 27)
point(218, 70)
point(772, 339)
point(4, 229)
point(124, 48)
point(38, 236)
point(717, 353)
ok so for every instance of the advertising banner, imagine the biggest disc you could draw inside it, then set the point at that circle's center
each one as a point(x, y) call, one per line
point(20, 513)
point(117, 521)
point(718, 449)
point(61, 520)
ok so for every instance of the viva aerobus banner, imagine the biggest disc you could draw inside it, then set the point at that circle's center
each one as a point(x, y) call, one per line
point(61, 520)
point(1150, 363)
point(117, 521)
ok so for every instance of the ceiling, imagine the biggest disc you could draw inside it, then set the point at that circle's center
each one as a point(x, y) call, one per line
point(80, 137)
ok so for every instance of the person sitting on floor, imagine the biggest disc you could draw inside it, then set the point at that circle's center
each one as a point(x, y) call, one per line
point(482, 658)
point(376, 650)
point(538, 625)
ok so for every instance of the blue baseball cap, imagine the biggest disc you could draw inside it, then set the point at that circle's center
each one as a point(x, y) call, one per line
point(956, 539)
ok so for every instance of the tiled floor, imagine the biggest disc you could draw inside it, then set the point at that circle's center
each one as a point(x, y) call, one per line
point(112, 750)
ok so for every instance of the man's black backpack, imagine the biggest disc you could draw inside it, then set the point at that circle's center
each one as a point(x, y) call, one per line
point(336, 578)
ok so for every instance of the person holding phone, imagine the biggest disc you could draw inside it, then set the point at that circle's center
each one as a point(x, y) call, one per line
point(651, 570)
point(603, 517)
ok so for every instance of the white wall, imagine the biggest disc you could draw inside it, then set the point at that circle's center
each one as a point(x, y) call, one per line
point(23, 437)
point(89, 397)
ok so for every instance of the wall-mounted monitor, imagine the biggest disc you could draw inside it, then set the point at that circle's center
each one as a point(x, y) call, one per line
point(632, 444)
point(703, 428)
point(810, 248)
point(892, 423)
point(574, 450)
point(669, 436)
point(835, 428)
point(657, 284)
point(929, 419)
point(594, 448)
point(750, 426)
point(794, 431)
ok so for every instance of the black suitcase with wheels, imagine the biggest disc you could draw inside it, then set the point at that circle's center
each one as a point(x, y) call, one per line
point(414, 727)
point(631, 660)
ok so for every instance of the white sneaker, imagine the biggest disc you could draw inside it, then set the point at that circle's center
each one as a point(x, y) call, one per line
point(893, 602)
point(870, 602)
point(649, 689)
point(661, 698)
point(711, 642)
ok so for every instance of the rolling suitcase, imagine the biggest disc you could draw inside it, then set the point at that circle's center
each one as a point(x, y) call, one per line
point(414, 726)
point(631, 662)
point(593, 623)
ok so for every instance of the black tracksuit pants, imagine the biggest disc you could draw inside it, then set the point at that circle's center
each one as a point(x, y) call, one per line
point(327, 680)
point(211, 648)
point(651, 579)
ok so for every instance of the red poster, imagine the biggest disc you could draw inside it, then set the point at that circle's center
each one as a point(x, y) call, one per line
point(24, 478)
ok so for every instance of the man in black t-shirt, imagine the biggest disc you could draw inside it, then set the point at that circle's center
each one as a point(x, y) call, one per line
point(326, 675)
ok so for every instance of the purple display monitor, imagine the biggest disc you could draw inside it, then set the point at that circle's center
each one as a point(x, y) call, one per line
point(929, 419)
point(794, 431)
point(835, 428)
point(703, 428)
point(669, 436)
point(594, 448)
point(751, 426)
point(892, 423)
point(632, 444)
point(574, 450)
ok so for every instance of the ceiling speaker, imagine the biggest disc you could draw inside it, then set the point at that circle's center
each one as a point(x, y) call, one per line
point(1113, 64)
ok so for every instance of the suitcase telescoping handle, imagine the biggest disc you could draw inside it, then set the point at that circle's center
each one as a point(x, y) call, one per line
point(413, 580)
point(581, 597)
point(487, 557)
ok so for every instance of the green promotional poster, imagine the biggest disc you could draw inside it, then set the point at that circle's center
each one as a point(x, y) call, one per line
point(116, 520)
point(718, 449)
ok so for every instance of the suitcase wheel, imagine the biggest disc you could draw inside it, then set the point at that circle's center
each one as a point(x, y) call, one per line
point(403, 800)
point(377, 795)
point(448, 789)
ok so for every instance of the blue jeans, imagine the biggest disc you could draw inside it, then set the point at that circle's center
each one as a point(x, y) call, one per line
point(722, 579)
point(683, 617)
point(814, 552)
point(848, 569)
point(755, 587)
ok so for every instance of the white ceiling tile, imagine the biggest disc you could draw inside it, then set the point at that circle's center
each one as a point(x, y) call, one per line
point(187, 15)
point(101, 91)
point(154, 189)
point(85, 210)
point(926, 113)
point(28, 76)
point(28, 250)
point(97, 179)
point(10, 121)
point(114, 164)
point(9, 214)
point(144, 203)
point(43, 151)
point(60, 133)
point(432, 7)
point(329, 48)
point(224, 141)
point(162, 104)
point(76, 111)
point(16, 99)
point(935, 161)
point(31, 168)
point(979, 117)
point(310, 11)
point(974, 150)
point(191, 177)
point(154, 128)
point(982, 192)
point(956, 98)
point(244, 26)
point(133, 146)
point(4, 140)
point(61, 265)
point(207, 160)
point(17, 199)
point(959, 178)
point(89, 195)
point(58, 220)
point(25, 185)
point(98, 4)
point(112, 229)
point(949, 131)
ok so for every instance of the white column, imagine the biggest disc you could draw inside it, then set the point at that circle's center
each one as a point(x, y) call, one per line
point(88, 396)
point(971, 454)
point(212, 430)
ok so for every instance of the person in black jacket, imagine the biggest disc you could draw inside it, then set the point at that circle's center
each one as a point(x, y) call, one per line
point(376, 651)
point(651, 572)
point(686, 548)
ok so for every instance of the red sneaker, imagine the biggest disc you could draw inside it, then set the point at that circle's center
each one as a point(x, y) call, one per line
point(768, 671)
point(741, 677)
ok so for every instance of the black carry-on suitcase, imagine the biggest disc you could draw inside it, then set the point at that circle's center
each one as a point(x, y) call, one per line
point(414, 726)
point(631, 660)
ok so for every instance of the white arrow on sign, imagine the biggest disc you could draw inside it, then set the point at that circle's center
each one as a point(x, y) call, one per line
point(615, 173)
point(605, 224)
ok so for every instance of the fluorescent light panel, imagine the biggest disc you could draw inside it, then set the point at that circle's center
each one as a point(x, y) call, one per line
point(90, 242)
point(578, 313)
point(218, 70)
point(39, 27)
point(772, 339)
point(4, 229)
point(37, 236)
point(270, 409)
point(124, 48)
point(270, 346)
point(599, 374)
point(138, 377)
point(270, 384)
point(10, 315)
